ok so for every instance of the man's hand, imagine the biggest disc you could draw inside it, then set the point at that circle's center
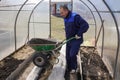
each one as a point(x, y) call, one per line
point(77, 37)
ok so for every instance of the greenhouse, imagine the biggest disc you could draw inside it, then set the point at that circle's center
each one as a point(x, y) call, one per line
point(22, 21)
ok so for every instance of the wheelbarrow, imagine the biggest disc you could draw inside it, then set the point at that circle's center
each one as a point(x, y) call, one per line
point(45, 49)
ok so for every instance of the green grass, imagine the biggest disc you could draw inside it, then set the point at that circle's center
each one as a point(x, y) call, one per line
point(57, 28)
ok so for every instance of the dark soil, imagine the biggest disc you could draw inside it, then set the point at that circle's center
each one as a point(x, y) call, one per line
point(92, 65)
point(41, 41)
point(7, 66)
point(10, 63)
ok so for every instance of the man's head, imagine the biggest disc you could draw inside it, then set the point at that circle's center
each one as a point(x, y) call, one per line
point(64, 11)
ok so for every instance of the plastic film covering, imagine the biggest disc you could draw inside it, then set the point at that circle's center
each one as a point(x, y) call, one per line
point(7, 19)
point(114, 5)
point(117, 15)
point(39, 22)
point(84, 11)
point(22, 22)
point(14, 20)
point(108, 40)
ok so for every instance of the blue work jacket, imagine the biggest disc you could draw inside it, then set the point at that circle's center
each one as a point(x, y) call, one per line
point(75, 25)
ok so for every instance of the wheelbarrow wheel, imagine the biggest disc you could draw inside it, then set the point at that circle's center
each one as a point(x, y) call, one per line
point(40, 59)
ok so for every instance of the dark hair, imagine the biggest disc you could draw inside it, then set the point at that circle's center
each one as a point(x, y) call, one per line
point(64, 7)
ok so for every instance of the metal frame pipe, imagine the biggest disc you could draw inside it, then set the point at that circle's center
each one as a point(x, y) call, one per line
point(102, 25)
point(31, 16)
point(93, 17)
point(118, 35)
point(15, 25)
point(50, 17)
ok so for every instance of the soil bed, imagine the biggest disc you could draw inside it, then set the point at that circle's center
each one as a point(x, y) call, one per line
point(92, 65)
point(10, 63)
point(7, 66)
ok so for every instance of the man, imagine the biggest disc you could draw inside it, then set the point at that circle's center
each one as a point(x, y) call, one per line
point(75, 26)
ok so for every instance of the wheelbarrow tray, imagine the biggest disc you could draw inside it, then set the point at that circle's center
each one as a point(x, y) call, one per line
point(40, 44)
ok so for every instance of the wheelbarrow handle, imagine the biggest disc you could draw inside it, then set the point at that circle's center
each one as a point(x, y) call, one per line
point(64, 42)
point(67, 40)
